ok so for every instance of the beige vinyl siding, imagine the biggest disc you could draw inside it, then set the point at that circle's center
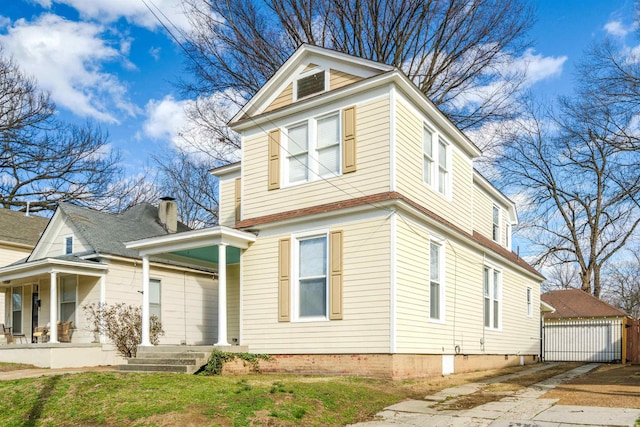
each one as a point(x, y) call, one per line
point(519, 331)
point(463, 325)
point(366, 271)
point(188, 301)
point(10, 254)
point(409, 172)
point(483, 215)
point(338, 79)
point(372, 176)
point(226, 203)
point(57, 246)
point(285, 98)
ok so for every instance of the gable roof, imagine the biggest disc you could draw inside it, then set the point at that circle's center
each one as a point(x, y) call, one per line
point(16, 227)
point(571, 303)
point(107, 232)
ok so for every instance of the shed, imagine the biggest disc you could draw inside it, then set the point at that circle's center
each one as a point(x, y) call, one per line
point(582, 328)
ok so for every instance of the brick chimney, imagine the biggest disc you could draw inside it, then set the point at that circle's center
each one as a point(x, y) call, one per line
point(168, 214)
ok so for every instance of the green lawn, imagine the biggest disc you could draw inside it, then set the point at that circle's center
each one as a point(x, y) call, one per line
point(114, 399)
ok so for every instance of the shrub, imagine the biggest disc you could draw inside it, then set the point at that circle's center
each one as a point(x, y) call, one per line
point(122, 325)
point(219, 358)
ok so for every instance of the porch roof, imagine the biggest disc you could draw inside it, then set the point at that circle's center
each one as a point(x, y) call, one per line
point(190, 243)
point(67, 264)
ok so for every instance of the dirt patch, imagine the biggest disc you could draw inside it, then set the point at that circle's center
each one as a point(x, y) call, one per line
point(497, 390)
point(613, 386)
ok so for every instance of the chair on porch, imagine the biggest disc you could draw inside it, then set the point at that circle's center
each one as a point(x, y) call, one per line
point(11, 338)
point(40, 334)
point(64, 332)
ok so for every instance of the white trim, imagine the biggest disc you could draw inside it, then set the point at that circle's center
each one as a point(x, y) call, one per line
point(193, 239)
point(60, 302)
point(21, 331)
point(308, 73)
point(497, 196)
point(392, 139)
point(48, 265)
point(393, 285)
point(441, 244)
point(231, 168)
point(145, 339)
point(529, 301)
point(492, 297)
point(286, 72)
point(496, 227)
point(295, 273)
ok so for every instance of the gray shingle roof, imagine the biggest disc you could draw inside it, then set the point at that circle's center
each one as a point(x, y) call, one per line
point(16, 227)
point(107, 232)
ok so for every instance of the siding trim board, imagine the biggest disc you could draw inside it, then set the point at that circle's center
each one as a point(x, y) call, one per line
point(476, 237)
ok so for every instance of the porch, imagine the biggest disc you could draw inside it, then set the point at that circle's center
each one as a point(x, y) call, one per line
point(61, 355)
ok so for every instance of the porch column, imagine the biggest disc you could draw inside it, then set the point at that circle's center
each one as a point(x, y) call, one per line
point(222, 294)
point(145, 301)
point(53, 307)
point(103, 301)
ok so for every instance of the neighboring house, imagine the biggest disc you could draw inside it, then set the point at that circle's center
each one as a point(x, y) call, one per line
point(19, 233)
point(582, 328)
point(355, 235)
point(81, 252)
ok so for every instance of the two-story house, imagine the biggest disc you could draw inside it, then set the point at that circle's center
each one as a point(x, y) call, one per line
point(356, 237)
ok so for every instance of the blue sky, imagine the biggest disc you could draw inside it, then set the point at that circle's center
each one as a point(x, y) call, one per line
point(109, 60)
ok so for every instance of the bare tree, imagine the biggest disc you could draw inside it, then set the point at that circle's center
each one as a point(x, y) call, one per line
point(579, 168)
point(458, 52)
point(187, 179)
point(44, 161)
point(621, 285)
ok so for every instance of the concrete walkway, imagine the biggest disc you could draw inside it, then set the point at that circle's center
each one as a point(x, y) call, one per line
point(520, 409)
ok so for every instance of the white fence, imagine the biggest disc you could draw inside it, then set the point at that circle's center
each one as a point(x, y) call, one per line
point(582, 341)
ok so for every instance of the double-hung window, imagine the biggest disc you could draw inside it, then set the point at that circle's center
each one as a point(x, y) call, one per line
point(16, 309)
point(311, 285)
point(68, 298)
point(154, 298)
point(436, 161)
point(492, 297)
point(495, 234)
point(313, 149)
point(436, 289)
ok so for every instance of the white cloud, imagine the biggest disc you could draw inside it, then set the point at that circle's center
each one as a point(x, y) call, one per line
point(67, 60)
point(538, 67)
point(134, 11)
point(165, 119)
point(168, 120)
point(617, 28)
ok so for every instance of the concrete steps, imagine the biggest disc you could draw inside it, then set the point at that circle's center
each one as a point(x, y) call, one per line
point(174, 358)
point(180, 359)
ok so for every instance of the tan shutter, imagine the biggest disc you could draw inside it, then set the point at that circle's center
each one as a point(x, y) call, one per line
point(335, 282)
point(284, 279)
point(238, 194)
point(349, 140)
point(274, 159)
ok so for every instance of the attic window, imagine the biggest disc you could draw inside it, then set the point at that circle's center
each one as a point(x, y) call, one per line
point(309, 85)
point(68, 245)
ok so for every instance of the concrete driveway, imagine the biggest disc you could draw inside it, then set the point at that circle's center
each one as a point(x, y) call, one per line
point(524, 408)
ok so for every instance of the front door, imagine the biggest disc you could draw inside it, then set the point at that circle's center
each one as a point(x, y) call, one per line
point(35, 305)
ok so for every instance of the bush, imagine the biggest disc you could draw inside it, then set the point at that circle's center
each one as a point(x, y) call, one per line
point(122, 325)
point(219, 358)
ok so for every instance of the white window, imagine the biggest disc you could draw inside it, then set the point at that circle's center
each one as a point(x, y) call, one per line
point(507, 236)
point(492, 297)
point(313, 149)
point(67, 297)
point(436, 288)
point(310, 84)
point(154, 298)
point(529, 302)
point(495, 235)
point(311, 284)
point(436, 155)
point(68, 245)
point(16, 309)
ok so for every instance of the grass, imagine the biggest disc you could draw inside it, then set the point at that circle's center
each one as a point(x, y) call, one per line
point(8, 367)
point(133, 399)
point(114, 399)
